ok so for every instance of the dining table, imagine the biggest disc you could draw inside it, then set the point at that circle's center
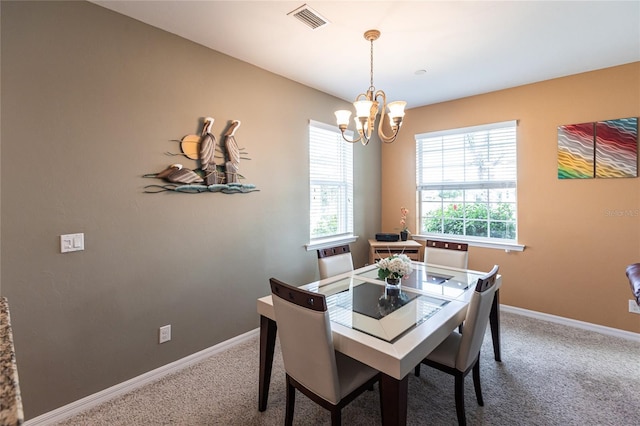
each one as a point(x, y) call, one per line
point(390, 329)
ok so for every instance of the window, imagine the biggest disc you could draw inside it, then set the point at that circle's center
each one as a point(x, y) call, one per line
point(330, 182)
point(466, 182)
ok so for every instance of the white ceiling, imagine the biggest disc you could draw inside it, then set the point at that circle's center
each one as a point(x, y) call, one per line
point(466, 47)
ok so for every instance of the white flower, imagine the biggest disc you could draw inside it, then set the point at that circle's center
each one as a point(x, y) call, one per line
point(396, 266)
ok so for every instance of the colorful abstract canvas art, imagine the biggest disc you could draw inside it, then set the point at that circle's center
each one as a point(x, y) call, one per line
point(617, 148)
point(576, 151)
point(603, 149)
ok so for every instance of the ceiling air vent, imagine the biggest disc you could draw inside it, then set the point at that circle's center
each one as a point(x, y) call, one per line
point(309, 17)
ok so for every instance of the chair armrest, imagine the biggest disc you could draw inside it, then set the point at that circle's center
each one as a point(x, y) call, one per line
point(633, 273)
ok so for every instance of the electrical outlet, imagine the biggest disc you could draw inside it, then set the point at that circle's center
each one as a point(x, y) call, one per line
point(633, 307)
point(165, 334)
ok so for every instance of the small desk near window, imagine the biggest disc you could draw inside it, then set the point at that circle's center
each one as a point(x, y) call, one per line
point(381, 249)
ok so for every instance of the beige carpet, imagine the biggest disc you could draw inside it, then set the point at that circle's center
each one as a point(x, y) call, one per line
point(550, 375)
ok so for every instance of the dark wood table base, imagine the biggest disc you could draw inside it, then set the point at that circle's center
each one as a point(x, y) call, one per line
point(268, 329)
point(394, 394)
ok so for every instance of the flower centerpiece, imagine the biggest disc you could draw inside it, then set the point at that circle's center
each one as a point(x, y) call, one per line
point(393, 268)
point(404, 230)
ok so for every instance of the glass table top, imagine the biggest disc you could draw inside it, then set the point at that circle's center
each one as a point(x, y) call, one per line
point(362, 301)
point(437, 282)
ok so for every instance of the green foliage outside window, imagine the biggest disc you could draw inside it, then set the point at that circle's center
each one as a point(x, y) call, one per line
point(495, 220)
point(327, 225)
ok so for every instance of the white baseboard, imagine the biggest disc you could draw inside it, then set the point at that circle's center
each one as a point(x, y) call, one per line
point(573, 323)
point(91, 401)
point(105, 395)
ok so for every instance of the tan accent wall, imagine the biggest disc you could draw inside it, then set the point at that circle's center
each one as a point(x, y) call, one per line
point(90, 102)
point(579, 234)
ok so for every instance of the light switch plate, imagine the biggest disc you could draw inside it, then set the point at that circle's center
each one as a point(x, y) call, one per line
point(71, 242)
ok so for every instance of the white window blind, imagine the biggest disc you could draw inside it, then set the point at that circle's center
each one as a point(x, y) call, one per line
point(466, 181)
point(330, 182)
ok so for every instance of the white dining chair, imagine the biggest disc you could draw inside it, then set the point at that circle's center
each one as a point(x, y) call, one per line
point(459, 353)
point(334, 260)
point(446, 253)
point(311, 363)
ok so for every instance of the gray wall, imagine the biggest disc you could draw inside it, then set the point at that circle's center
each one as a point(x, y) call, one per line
point(90, 102)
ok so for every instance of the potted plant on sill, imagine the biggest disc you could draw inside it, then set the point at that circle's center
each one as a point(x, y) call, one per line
point(404, 230)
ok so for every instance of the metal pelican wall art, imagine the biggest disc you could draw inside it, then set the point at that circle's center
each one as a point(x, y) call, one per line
point(233, 152)
point(209, 176)
point(208, 148)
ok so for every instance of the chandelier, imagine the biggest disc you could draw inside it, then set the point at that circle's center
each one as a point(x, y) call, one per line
point(367, 108)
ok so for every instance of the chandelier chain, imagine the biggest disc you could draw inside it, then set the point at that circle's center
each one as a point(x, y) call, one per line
point(371, 64)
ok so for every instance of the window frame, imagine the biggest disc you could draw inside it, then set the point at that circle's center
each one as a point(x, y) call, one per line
point(343, 165)
point(464, 183)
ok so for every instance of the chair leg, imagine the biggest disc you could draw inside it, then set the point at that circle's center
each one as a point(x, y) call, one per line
point(494, 321)
point(459, 391)
point(290, 404)
point(476, 382)
point(417, 371)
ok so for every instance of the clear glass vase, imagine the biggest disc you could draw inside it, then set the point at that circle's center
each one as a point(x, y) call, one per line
point(392, 285)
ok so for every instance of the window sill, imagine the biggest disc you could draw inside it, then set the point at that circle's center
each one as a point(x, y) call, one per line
point(330, 242)
point(499, 245)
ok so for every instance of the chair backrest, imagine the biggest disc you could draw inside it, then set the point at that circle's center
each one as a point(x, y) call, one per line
point(334, 260)
point(475, 324)
point(446, 253)
point(305, 339)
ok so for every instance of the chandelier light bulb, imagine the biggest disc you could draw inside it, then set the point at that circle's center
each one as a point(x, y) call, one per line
point(396, 109)
point(342, 117)
point(363, 108)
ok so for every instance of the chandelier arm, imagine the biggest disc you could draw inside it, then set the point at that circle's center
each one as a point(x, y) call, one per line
point(352, 141)
point(388, 139)
point(383, 137)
